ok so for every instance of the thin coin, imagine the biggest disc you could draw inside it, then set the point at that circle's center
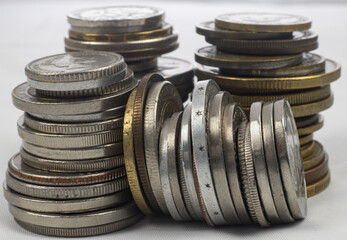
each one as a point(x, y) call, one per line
point(316, 158)
point(313, 127)
point(145, 65)
point(209, 29)
point(290, 160)
point(313, 108)
point(130, 160)
point(305, 139)
point(306, 121)
point(300, 42)
point(319, 186)
point(315, 174)
point(307, 150)
point(262, 22)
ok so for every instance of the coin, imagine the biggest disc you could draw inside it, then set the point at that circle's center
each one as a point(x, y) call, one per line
point(315, 158)
point(307, 150)
point(162, 101)
point(313, 127)
point(216, 157)
point(305, 139)
point(208, 29)
point(113, 30)
point(314, 107)
point(300, 42)
point(185, 91)
point(290, 160)
point(65, 206)
point(262, 22)
point(315, 174)
point(254, 85)
point(211, 56)
point(145, 65)
point(306, 121)
point(319, 186)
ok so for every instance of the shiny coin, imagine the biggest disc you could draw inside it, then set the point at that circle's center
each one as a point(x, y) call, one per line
point(290, 160)
point(210, 56)
point(300, 42)
point(118, 16)
point(315, 158)
point(305, 139)
point(319, 186)
point(208, 29)
point(313, 108)
point(315, 174)
point(313, 127)
point(262, 22)
point(113, 30)
point(162, 101)
point(65, 206)
point(145, 65)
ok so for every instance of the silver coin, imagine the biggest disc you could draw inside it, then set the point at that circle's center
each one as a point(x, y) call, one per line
point(114, 30)
point(186, 158)
point(76, 220)
point(272, 163)
point(75, 67)
point(117, 16)
point(164, 172)
point(75, 153)
point(26, 99)
point(232, 118)
point(215, 149)
point(203, 92)
point(161, 102)
point(290, 160)
point(68, 141)
point(71, 128)
point(260, 167)
point(64, 192)
point(65, 206)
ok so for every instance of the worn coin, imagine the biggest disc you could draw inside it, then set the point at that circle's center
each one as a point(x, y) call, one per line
point(305, 139)
point(319, 186)
point(307, 150)
point(315, 126)
point(142, 66)
point(315, 174)
point(315, 158)
point(306, 121)
point(309, 109)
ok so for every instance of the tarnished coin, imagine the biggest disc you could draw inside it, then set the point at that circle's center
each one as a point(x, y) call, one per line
point(290, 160)
point(305, 139)
point(306, 121)
point(311, 64)
point(162, 101)
point(307, 150)
point(313, 127)
point(117, 16)
point(208, 29)
point(315, 158)
point(262, 22)
point(309, 109)
point(315, 174)
point(145, 65)
point(300, 42)
point(185, 90)
point(319, 186)
point(210, 56)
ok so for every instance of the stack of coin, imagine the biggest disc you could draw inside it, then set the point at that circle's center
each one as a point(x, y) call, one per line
point(139, 34)
point(69, 177)
point(207, 161)
point(265, 57)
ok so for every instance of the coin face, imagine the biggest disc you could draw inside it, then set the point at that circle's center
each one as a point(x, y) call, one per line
point(263, 22)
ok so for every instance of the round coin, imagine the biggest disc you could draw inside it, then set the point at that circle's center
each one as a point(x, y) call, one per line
point(315, 174)
point(309, 109)
point(309, 129)
point(262, 22)
point(316, 157)
point(307, 150)
point(142, 66)
point(305, 139)
point(319, 186)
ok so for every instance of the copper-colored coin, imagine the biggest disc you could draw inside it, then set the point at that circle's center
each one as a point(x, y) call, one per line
point(315, 158)
point(314, 174)
point(312, 127)
point(306, 139)
point(319, 186)
point(307, 150)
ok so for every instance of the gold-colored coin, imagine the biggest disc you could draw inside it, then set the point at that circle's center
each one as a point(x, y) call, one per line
point(129, 157)
point(313, 108)
point(319, 186)
point(307, 149)
point(255, 85)
point(306, 130)
point(166, 30)
point(306, 139)
point(315, 158)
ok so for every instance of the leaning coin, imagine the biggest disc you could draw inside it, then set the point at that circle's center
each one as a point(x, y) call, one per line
point(162, 101)
point(66, 192)
point(25, 173)
point(319, 186)
point(262, 22)
point(315, 174)
point(211, 56)
point(290, 160)
point(65, 206)
point(202, 94)
point(315, 126)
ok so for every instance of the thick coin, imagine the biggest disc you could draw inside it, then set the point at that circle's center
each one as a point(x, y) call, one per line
point(113, 30)
point(315, 158)
point(311, 64)
point(311, 128)
point(66, 192)
point(165, 30)
point(65, 206)
point(305, 139)
point(162, 101)
point(262, 22)
point(290, 160)
point(319, 186)
point(307, 150)
point(118, 16)
point(75, 153)
point(130, 160)
point(315, 174)
point(202, 94)
point(145, 65)
point(306, 121)
point(300, 42)
point(255, 85)
point(309, 109)
point(211, 56)
point(216, 156)
point(272, 163)
point(25, 173)
point(208, 29)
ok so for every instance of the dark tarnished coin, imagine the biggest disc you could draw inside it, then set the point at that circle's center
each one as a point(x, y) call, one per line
point(318, 172)
point(142, 66)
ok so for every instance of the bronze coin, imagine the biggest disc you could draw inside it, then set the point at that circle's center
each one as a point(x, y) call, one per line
point(318, 172)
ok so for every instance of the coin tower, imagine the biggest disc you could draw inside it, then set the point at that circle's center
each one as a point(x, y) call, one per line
point(140, 34)
point(266, 57)
point(69, 178)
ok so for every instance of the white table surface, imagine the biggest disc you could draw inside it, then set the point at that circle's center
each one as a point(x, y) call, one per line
point(35, 29)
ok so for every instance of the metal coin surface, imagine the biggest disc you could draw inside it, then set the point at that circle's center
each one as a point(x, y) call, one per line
point(315, 174)
point(305, 139)
point(316, 157)
point(319, 186)
point(142, 66)
point(315, 126)
point(307, 150)
point(309, 109)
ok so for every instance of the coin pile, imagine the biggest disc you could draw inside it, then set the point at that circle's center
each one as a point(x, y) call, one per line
point(69, 177)
point(265, 57)
point(207, 161)
point(140, 34)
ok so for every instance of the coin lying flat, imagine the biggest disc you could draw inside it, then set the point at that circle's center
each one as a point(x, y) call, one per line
point(145, 65)
point(262, 22)
point(307, 150)
point(315, 158)
point(315, 174)
point(300, 42)
point(314, 107)
point(210, 56)
point(319, 186)
point(305, 139)
point(208, 29)
point(313, 127)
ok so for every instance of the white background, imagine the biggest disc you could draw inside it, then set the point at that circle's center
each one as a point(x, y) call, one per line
point(35, 29)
